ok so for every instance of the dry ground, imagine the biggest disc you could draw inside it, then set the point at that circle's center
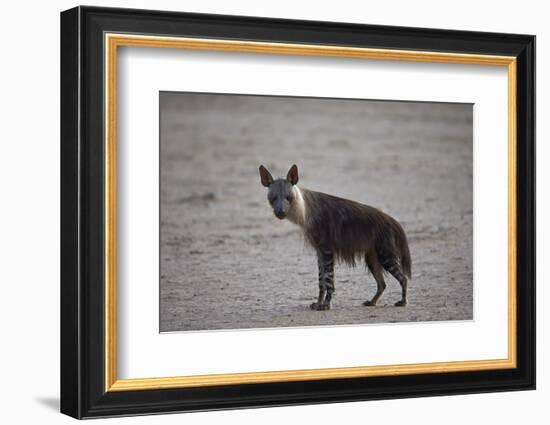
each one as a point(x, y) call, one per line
point(228, 263)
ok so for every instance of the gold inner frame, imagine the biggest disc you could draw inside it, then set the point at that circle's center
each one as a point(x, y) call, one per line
point(113, 41)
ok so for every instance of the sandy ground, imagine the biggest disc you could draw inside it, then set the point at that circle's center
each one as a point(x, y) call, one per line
point(228, 263)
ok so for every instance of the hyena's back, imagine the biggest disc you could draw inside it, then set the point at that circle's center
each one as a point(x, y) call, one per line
point(355, 231)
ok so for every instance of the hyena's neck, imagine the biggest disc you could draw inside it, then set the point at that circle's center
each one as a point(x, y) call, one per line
point(297, 213)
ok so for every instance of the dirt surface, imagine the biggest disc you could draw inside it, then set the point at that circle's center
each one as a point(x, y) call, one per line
point(228, 263)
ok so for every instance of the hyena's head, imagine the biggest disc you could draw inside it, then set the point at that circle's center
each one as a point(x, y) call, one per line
point(280, 192)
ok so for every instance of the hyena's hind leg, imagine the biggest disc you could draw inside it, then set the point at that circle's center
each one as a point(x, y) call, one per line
point(325, 262)
point(394, 268)
point(378, 273)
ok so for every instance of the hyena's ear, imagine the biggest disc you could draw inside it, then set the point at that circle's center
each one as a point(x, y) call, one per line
point(292, 175)
point(265, 176)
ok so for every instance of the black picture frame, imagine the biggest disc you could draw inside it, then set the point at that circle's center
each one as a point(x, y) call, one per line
point(83, 392)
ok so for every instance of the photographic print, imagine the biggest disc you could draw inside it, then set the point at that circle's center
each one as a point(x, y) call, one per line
point(255, 183)
point(291, 211)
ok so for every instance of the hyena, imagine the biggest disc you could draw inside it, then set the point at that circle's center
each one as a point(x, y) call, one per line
point(344, 230)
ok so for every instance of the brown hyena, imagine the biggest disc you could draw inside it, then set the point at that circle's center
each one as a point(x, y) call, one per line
point(344, 230)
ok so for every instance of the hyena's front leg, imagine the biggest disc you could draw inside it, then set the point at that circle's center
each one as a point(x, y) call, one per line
point(325, 262)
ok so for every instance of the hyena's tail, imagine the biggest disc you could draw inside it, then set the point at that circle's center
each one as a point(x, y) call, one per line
point(403, 247)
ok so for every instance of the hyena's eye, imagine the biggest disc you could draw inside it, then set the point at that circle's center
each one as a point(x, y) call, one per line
point(289, 198)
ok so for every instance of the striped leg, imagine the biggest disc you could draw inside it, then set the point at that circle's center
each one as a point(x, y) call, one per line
point(394, 269)
point(325, 262)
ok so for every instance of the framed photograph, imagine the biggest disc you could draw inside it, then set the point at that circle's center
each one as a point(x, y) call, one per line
point(261, 212)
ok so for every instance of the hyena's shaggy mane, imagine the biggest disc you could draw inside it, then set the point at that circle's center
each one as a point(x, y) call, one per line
point(354, 230)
